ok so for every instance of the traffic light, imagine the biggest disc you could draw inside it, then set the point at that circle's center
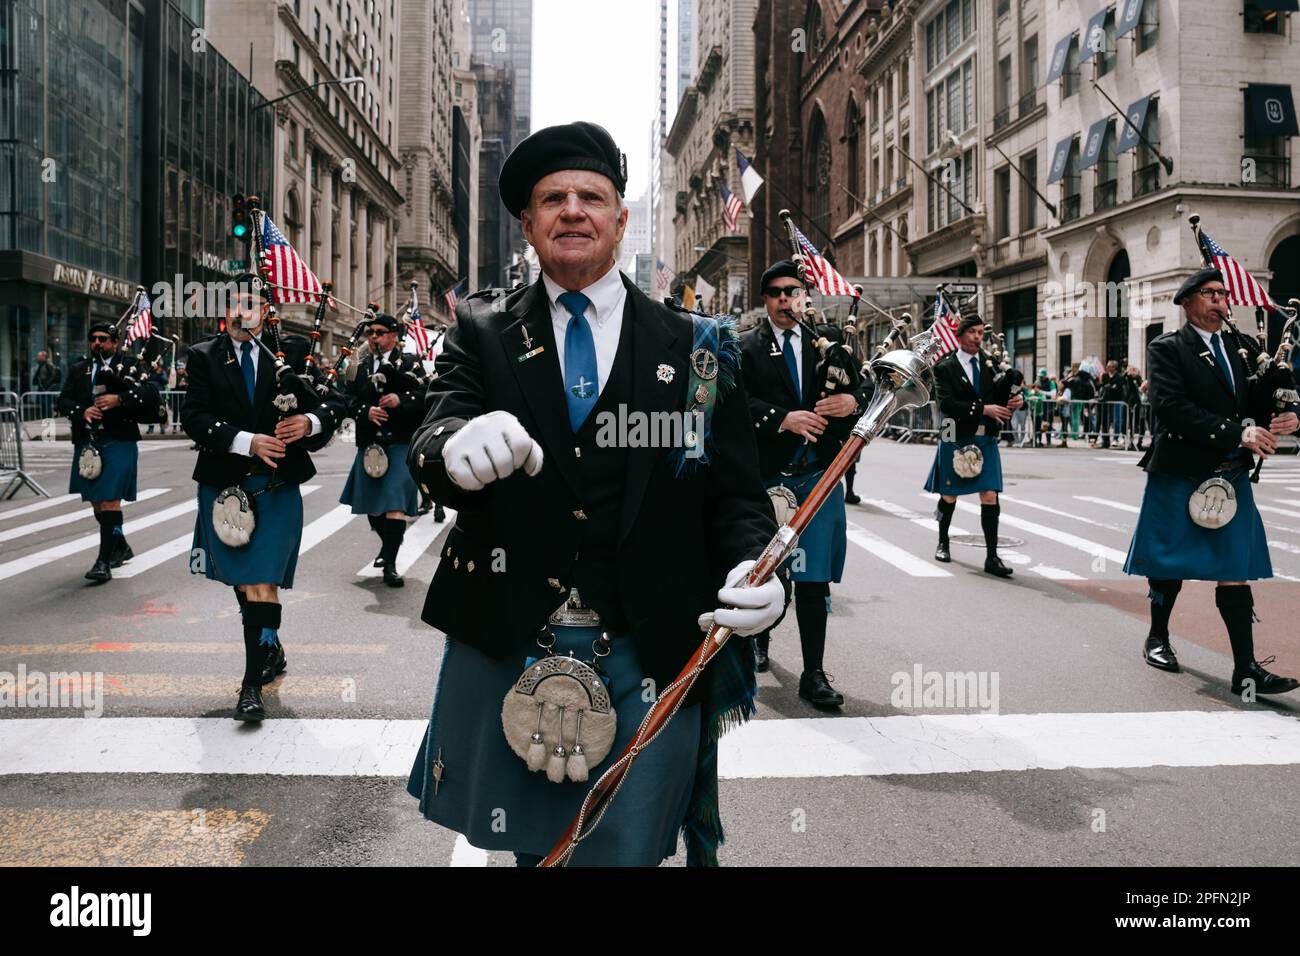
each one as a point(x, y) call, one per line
point(238, 218)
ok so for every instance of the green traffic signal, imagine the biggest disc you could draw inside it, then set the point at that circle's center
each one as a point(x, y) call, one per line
point(238, 217)
point(239, 230)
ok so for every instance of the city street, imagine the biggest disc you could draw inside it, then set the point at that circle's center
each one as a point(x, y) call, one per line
point(1071, 751)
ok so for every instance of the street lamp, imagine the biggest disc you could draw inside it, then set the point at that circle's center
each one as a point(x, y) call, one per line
point(307, 89)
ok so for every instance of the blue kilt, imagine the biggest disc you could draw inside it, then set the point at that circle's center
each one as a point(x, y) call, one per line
point(825, 541)
point(486, 788)
point(116, 480)
point(1167, 544)
point(396, 491)
point(944, 481)
point(272, 554)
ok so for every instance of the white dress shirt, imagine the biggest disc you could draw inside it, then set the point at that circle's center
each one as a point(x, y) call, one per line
point(1223, 344)
point(243, 442)
point(606, 298)
point(796, 343)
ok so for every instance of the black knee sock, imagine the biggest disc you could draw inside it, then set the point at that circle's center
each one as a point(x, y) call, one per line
point(946, 509)
point(989, 522)
point(393, 532)
point(848, 478)
point(1162, 594)
point(810, 611)
point(763, 639)
point(376, 524)
point(258, 615)
point(1237, 608)
point(110, 533)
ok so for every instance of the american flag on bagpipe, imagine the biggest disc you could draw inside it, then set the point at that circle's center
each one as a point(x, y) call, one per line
point(945, 326)
point(292, 279)
point(827, 277)
point(415, 325)
point(141, 326)
point(1243, 290)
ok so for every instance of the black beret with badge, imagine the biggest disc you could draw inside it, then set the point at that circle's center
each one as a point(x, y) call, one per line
point(383, 318)
point(1195, 281)
point(781, 269)
point(104, 328)
point(555, 148)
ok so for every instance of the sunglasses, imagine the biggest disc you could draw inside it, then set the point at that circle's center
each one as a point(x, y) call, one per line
point(101, 338)
point(775, 292)
point(379, 331)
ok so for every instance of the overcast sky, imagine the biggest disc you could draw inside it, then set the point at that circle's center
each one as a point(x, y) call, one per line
point(595, 60)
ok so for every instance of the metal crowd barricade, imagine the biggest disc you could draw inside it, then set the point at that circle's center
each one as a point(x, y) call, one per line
point(11, 455)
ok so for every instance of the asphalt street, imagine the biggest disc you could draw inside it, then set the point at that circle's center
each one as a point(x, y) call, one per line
point(986, 721)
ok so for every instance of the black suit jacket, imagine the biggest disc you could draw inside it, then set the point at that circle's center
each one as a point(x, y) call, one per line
point(677, 537)
point(957, 398)
point(217, 408)
point(1198, 416)
point(119, 424)
point(772, 397)
point(363, 395)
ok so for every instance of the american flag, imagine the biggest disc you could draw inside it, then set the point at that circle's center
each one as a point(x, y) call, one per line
point(453, 295)
point(142, 325)
point(945, 325)
point(829, 281)
point(285, 270)
point(1243, 290)
point(418, 332)
point(731, 207)
point(663, 275)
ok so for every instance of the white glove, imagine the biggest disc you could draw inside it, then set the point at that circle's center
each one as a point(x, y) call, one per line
point(748, 610)
point(489, 447)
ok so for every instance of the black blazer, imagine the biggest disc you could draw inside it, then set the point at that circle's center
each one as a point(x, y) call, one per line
point(677, 537)
point(119, 424)
point(958, 399)
point(772, 397)
point(216, 409)
point(402, 420)
point(1198, 416)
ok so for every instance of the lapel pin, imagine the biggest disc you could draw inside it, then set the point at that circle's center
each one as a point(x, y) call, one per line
point(665, 373)
point(537, 351)
point(528, 339)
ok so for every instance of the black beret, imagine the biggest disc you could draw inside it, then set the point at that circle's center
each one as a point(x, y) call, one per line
point(1195, 281)
point(969, 322)
point(108, 328)
point(782, 269)
point(251, 283)
point(572, 146)
point(384, 319)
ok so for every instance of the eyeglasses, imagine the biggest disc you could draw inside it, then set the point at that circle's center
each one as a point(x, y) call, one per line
point(101, 338)
point(379, 331)
point(775, 292)
point(1212, 293)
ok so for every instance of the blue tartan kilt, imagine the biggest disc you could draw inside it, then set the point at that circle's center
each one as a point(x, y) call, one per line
point(396, 491)
point(825, 541)
point(271, 556)
point(944, 481)
point(489, 794)
point(116, 481)
point(1168, 544)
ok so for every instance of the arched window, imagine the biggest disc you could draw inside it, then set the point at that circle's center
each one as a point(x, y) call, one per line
point(873, 258)
point(292, 218)
point(816, 29)
point(818, 179)
point(1115, 303)
point(1284, 263)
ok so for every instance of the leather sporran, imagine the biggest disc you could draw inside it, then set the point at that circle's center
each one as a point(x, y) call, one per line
point(90, 463)
point(1213, 504)
point(968, 461)
point(234, 518)
point(374, 461)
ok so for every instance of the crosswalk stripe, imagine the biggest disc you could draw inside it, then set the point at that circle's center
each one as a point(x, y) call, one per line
point(24, 651)
point(38, 506)
point(177, 547)
point(80, 514)
point(1091, 548)
point(1056, 511)
point(86, 687)
point(462, 854)
point(923, 743)
point(422, 533)
point(1055, 574)
point(1118, 505)
point(87, 542)
point(905, 561)
point(324, 526)
point(1278, 511)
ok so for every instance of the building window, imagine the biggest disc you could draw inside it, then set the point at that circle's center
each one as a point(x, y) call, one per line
point(315, 26)
point(1148, 29)
point(1258, 20)
point(1029, 76)
point(819, 174)
point(1070, 195)
point(1002, 94)
point(1106, 55)
point(329, 34)
point(1107, 192)
point(293, 218)
point(1146, 172)
point(853, 128)
point(293, 140)
point(1268, 156)
point(1028, 199)
point(1070, 78)
point(954, 23)
point(1002, 202)
point(903, 88)
point(295, 57)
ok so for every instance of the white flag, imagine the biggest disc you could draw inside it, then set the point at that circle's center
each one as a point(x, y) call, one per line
point(750, 180)
point(703, 292)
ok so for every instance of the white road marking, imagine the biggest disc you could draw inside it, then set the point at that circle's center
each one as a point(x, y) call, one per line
point(1277, 511)
point(177, 547)
point(38, 506)
point(1091, 548)
point(462, 854)
point(804, 747)
point(1056, 511)
point(324, 526)
point(419, 535)
point(81, 514)
point(1131, 509)
point(905, 561)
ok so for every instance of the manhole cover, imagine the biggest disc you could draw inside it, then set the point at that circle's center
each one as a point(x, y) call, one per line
point(977, 540)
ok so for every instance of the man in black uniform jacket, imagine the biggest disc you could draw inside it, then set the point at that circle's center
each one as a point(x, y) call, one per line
point(799, 432)
point(105, 398)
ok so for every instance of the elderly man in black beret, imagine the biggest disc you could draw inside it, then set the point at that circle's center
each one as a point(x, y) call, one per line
point(967, 461)
point(1198, 519)
point(575, 535)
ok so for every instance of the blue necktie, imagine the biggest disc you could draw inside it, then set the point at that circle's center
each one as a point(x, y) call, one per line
point(1222, 360)
point(975, 372)
point(246, 365)
point(792, 364)
point(581, 376)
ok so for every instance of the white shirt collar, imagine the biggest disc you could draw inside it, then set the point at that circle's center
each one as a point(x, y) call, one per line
point(604, 294)
point(779, 333)
point(1205, 336)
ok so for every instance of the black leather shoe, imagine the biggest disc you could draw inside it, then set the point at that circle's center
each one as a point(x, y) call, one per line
point(761, 662)
point(392, 578)
point(1157, 652)
point(816, 688)
point(99, 571)
point(425, 507)
point(995, 567)
point(942, 553)
point(121, 554)
point(1265, 682)
point(250, 705)
point(852, 499)
point(439, 515)
point(275, 664)
point(379, 560)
